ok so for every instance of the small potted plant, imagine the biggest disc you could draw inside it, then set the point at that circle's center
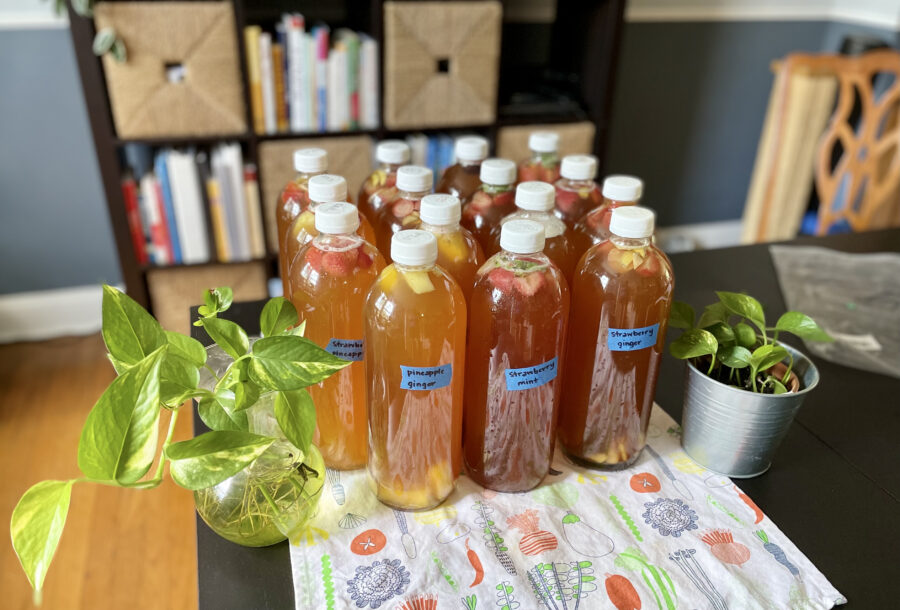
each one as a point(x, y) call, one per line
point(256, 476)
point(743, 386)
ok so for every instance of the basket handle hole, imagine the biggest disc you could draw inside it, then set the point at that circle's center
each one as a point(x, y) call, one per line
point(175, 72)
point(443, 65)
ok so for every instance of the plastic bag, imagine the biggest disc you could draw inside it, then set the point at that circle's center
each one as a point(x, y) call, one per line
point(854, 297)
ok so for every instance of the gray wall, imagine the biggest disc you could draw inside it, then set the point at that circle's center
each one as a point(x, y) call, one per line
point(54, 227)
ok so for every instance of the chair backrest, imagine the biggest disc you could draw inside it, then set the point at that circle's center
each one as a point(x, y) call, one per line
point(857, 167)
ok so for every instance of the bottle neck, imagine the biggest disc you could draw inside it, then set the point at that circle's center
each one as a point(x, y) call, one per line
point(493, 189)
point(411, 195)
point(410, 268)
point(469, 162)
point(614, 203)
point(337, 241)
point(447, 228)
point(578, 184)
point(630, 243)
point(529, 260)
point(545, 158)
point(308, 175)
point(390, 168)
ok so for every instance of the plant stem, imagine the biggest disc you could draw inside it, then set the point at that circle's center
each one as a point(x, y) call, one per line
point(166, 443)
point(211, 371)
point(268, 497)
point(712, 364)
point(787, 374)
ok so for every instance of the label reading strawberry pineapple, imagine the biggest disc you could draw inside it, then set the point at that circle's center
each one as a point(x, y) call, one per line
point(531, 376)
point(630, 339)
point(426, 377)
point(346, 349)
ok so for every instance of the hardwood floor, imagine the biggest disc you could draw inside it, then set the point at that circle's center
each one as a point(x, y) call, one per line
point(121, 548)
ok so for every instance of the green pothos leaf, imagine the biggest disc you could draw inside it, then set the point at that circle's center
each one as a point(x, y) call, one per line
point(296, 416)
point(212, 457)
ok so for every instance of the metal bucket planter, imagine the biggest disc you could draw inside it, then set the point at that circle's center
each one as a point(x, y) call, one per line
point(735, 432)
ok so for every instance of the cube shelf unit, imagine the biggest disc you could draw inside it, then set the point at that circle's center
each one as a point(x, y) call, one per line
point(581, 52)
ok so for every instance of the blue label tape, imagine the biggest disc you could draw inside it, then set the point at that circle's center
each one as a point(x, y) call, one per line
point(426, 377)
point(631, 339)
point(531, 376)
point(346, 349)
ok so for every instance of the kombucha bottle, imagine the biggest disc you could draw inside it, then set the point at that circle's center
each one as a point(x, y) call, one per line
point(415, 343)
point(494, 200)
point(294, 197)
point(324, 188)
point(380, 188)
point(594, 226)
point(534, 201)
point(461, 178)
point(543, 164)
point(576, 192)
point(620, 307)
point(517, 327)
point(459, 254)
point(331, 277)
point(413, 183)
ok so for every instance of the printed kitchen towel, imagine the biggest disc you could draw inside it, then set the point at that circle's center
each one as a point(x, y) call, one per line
point(665, 533)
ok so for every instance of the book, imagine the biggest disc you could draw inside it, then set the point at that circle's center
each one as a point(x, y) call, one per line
point(267, 78)
point(187, 203)
point(368, 82)
point(338, 111)
point(168, 207)
point(348, 41)
point(296, 51)
point(418, 143)
point(251, 50)
point(135, 226)
point(216, 228)
point(281, 111)
point(320, 35)
point(254, 213)
point(230, 175)
point(151, 201)
point(310, 93)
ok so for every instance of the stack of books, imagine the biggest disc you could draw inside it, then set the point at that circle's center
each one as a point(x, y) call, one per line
point(433, 151)
point(315, 81)
point(192, 206)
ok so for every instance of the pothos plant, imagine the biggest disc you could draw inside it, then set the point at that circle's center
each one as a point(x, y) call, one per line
point(732, 344)
point(157, 372)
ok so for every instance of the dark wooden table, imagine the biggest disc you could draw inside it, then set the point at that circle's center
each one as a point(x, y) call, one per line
point(834, 488)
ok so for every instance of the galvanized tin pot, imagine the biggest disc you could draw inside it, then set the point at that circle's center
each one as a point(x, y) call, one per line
point(735, 432)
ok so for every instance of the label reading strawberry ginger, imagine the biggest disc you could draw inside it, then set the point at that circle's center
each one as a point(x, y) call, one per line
point(425, 377)
point(531, 376)
point(630, 339)
point(346, 349)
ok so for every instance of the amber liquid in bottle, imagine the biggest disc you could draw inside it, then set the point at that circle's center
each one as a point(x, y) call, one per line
point(292, 200)
point(575, 198)
point(459, 254)
point(621, 297)
point(415, 321)
point(518, 313)
point(461, 179)
point(378, 190)
point(593, 227)
point(558, 247)
point(401, 213)
point(482, 214)
point(331, 277)
point(540, 166)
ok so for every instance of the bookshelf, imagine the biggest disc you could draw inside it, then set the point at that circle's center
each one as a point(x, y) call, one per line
point(573, 81)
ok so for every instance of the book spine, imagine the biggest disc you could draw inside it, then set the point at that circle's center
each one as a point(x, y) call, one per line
point(151, 191)
point(369, 83)
point(353, 81)
point(132, 210)
point(321, 38)
point(239, 205)
point(281, 111)
point(254, 214)
point(251, 46)
point(267, 76)
point(168, 210)
point(310, 92)
point(296, 62)
point(217, 216)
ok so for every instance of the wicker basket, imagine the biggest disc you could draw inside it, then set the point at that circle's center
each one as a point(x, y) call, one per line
point(348, 156)
point(441, 63)
point(574, 139)
point(200, 37)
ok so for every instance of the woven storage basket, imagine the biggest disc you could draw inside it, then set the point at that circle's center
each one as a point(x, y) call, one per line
point(574, 139)
point(174, 290)
point(348, 156)
point(420, 38)
point(201, 37)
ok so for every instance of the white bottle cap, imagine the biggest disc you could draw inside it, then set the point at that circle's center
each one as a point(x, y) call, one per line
point(440, 209)
point(497, 172)
point(522, 236)
point(579, 167)
point(414, 247)
point(632, 221)
point(535, 196)
point(336, 218)
point(623, 188)
point(392, 151)
point(310, 160)
point(471, 148)
point(414, 178)
point(543, 141)
point(325, 188)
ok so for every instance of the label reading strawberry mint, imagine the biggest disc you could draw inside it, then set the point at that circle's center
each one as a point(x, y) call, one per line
point(346, 349)
point(631, 339)
point(531, 376)
point(425, 377)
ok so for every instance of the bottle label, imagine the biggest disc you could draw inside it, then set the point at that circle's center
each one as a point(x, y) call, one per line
point(531, 376)
point(425, 377)
point(346, 349)
point(631, 339)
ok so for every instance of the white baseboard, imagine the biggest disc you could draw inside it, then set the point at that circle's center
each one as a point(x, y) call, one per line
point(700, 236)
point(45, 314)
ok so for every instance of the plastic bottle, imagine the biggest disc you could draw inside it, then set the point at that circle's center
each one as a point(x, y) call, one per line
point(621, 298)
point(461, 178)
point(493, 201)
point(517, 328)
point(415, 318)
point(543, 164)
point(413, 183)
point(534, 201)
point(331, 278)
point(324, 188)
point(576, 192)
point(593, 227)
point(294, 197)
point(459, 254)
point(379, 189)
